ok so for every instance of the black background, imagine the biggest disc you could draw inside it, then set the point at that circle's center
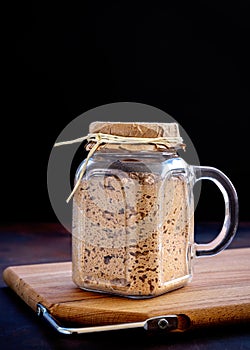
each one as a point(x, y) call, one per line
point(190, 59)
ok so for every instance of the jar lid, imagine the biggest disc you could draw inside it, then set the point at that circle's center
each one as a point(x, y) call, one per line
point(136, 129)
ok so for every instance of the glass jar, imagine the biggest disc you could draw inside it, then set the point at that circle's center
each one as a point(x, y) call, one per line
point(133, 221)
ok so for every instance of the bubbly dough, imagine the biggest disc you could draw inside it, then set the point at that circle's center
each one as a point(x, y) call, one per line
point(132, 234)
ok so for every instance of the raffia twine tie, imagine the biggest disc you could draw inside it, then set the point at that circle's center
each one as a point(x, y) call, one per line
point(99, 139)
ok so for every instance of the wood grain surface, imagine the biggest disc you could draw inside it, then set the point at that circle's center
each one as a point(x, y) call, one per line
point(218, 294)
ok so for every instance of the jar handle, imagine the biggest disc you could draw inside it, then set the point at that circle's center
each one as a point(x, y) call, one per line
point(227, 233)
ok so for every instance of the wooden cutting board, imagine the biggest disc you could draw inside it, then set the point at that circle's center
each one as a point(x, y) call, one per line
point(218, 294)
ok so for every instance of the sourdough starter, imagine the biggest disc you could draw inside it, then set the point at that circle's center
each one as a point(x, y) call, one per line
point(131, 233)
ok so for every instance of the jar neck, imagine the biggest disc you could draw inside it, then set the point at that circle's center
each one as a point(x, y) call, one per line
point(136, 151)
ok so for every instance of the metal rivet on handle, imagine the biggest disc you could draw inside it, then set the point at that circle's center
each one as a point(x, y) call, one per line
point(163, 323)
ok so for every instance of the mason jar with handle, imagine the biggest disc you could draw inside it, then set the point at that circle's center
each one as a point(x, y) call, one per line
point(133, 211)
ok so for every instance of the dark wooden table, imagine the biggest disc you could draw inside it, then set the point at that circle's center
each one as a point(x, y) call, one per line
point(20, 328)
